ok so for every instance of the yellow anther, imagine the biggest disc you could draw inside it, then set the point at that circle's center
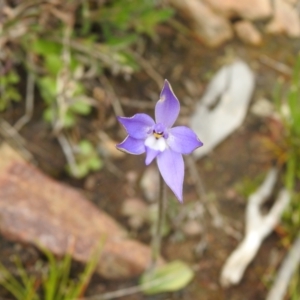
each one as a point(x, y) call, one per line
point(157, 135)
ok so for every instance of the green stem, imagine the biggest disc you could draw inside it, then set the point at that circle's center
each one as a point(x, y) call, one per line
point(157, 237)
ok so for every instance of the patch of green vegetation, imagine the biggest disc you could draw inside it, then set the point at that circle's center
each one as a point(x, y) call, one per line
point(288, 106)
point(170, 277)
point(8, 90)
point(294, 288)
point(67, 46)
point(53, 281)
point(87, 160)
point(246, 186)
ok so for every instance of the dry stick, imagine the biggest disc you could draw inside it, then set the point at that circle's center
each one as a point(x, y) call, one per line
point(9, 132)
point(99, 53)
point(285, 272)
point(149, 69)
point(68, 152)
point(62, 80)
point(218, 220)
point(29, 103)
point(116, 102)
point(137, 103)
point(156, 243)
point(258, 226)
point(276, 65)
point(133, 289)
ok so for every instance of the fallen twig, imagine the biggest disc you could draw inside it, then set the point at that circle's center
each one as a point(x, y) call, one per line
point(217, 219)
point(276, 65)
point(29, 103)
point(68, 152)
point(10, 133)
point(137, 103)
point(258, 226)
point(156, 77)
point(285, 272)
point(115, 100)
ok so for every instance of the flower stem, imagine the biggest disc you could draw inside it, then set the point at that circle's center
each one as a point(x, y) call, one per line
point(156, 242)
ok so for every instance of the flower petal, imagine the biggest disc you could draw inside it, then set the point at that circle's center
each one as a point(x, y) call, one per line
point(183, 140)
point(132, 146)
point(156, 144)
point(138, 126)
point(150, 155)
point(171, 168)
point(167, 108)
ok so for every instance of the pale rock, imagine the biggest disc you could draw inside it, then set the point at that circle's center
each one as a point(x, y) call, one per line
point(35, 209)
point(211, 28)
point(107, 146)
point(263, 108)
point(285, 20)
point(248, 33)
point(223, 106)
point(136, 211)
point(248, 9)
point(293, 2)
point(192, 228)
point(150, 183)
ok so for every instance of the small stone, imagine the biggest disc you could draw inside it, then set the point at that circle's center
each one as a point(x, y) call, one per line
point(263, 108)
point(131, 177)
point(108, 148)
point(209, 27)
point(248, 9)
point(192, 228)
point(137, 212)
point(150, 183)
point(285, 20)
point(248, 33)
point(230, 194)
point(37, 210)
point(133, 206)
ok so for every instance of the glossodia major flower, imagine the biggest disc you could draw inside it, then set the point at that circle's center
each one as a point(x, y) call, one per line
point(159, 140)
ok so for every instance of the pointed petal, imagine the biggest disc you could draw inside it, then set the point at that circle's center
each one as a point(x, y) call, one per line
point(183, 140)
point(167, 108)
point(150, 155)
point(171, 168)
point(137, 126)
point(132, 146)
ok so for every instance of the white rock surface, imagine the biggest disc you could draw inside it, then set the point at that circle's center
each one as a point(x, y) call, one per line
point(232, 86)
point(248, 9)
point(286, 20)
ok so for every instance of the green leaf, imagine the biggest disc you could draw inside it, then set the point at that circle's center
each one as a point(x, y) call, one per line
point(13, 77)
point(86, 148)
point(81, 107)
point(121, 42)
point(3, 103)
point(147, 23)
point(48, 114)
point(69, 119)
point(44, 47)
point(53, 63)
point(82, 170)
point(95, 163)
point(12, 94)
point(47, 87)
point(168, 278)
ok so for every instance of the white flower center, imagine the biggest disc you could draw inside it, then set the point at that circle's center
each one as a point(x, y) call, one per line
point(154, 143)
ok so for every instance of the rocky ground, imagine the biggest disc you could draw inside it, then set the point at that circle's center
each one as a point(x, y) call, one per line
point(47, 206)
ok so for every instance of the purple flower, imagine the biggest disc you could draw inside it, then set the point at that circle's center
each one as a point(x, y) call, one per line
point(160, 141)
